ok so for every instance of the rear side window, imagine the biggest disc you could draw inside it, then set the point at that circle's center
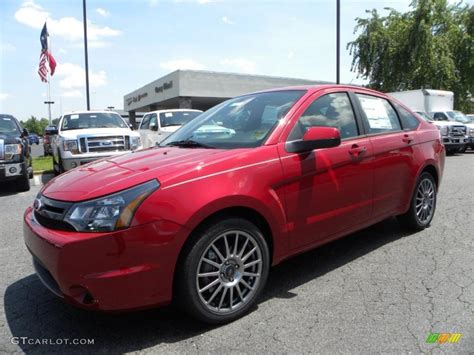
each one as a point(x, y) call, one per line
point(380, 116)
point(440, 116)
point(332, 110)
point(409, 121)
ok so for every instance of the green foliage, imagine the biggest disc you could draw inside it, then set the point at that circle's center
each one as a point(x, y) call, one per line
point(33, 125)
point(431, 46)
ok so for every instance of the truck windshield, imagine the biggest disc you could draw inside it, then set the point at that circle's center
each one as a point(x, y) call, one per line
point(177, 118)
point(92, 120)
point(458, 116)
point(242, 122)
point(8, 126)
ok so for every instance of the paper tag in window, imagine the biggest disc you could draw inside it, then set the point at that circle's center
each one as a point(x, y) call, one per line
point(74, 117)
point(376, 113)
point(168, 114)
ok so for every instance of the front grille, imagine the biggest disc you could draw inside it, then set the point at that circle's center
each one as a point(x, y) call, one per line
point(103, 144)
point(50, 213)
point(457, 131)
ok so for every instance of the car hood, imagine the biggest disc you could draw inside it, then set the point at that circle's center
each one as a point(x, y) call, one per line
point(97, 132)
point(168, 165)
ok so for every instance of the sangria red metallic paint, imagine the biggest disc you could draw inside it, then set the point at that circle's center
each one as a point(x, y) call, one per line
point(299, 201)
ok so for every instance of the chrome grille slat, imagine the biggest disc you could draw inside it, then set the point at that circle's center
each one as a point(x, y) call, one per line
point(2, 151)
point(103, 144)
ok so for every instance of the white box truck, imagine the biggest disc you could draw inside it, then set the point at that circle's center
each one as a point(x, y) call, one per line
point(428, 104)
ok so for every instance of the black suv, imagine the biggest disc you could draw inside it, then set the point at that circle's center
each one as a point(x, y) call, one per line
point(15, 157)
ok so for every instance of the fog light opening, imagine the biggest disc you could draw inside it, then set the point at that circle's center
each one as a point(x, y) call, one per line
point(82, 295)
point(74, 165)
point(12, 170)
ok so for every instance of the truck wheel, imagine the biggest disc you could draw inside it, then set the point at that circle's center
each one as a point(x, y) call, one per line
point(462, 150)
point(449, 151)
point(23, 183)
point(57, 167)
point(422, 205)
point(223, 271)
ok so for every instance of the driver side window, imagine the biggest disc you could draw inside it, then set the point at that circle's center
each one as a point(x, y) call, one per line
point(331, 110)
point(153, 121)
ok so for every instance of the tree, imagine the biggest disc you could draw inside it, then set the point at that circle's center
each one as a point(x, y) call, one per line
point(431, 46)
point(33, 125)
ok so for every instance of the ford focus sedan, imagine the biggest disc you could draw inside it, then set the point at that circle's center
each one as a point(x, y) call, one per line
point(200, 219)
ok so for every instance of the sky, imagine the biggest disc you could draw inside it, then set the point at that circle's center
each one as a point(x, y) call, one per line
point(132, 43)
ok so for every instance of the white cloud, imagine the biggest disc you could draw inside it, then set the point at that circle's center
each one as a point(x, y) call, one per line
point(239, 64)
point(73, 76)
point(70, 28)
point(291, 55)
point(102, 12)
point(182, 64)
point(153, 3)
point(7, 47)
point(227, 20)
point(4, 96)
point(72, 94)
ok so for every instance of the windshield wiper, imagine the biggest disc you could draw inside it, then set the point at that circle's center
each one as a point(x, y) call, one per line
point(189, 143)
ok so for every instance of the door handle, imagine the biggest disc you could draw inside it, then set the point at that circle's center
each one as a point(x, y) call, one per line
point(407, 138)
point(357, 151)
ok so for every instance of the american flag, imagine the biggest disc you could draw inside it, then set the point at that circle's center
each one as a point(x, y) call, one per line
point(42, 69)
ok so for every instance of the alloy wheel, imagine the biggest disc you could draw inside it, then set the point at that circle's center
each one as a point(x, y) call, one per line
point(229, 272)
point(425, 201)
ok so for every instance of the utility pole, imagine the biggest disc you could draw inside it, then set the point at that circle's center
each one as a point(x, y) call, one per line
point(338, 41)
point(85, 53)
point(49, 103)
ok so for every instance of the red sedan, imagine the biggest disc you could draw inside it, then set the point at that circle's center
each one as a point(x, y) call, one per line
point(247, 184)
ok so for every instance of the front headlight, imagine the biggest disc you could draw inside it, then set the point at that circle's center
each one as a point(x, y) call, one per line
point(111, 212)
point(471, 133)
point(71, 145)
point(444, 131)
point(11, 150)
point(135, 142)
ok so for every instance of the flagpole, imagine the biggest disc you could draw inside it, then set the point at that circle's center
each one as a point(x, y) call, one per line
point(85, 54)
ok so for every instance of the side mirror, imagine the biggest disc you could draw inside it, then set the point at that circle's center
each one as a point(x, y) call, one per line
point(25, 132)
point(315, 138)
point(53, 131)
point(154, 128)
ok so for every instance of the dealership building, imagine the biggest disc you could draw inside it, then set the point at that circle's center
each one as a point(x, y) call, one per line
point(199, 89)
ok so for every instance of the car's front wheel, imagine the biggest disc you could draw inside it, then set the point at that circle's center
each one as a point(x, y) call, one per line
point(422, 205)
point(223, 271)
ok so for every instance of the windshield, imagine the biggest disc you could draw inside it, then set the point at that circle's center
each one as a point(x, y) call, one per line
point(8, 126)
point(458, 116)
point(177, 118)
point(425, 116)
point(243, 122)
point(92, 120)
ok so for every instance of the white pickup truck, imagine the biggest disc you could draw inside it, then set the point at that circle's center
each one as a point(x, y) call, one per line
point(85, 136)
point(158, 125)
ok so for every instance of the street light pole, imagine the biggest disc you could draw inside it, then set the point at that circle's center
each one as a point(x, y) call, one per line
point(338, 41)
point(85, 53)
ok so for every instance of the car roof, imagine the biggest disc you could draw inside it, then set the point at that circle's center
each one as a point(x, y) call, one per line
point(318, 87)
point(85, 111)
point(173, 110)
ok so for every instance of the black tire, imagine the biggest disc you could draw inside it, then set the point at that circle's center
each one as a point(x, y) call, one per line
point(410, 220)
point(450, 151)
point(462, 150)
point(57, 167)
point(190, 299)
point(23, 182)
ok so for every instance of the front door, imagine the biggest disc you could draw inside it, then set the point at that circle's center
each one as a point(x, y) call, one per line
point(328, 191)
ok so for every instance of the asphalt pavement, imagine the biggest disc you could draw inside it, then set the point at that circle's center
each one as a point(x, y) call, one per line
point(378, 290)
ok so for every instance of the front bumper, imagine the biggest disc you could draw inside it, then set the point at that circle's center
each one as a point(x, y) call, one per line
point(71, 161)
point(116, 271)
point(454, 142)
point(12, 171)
point(470, 142)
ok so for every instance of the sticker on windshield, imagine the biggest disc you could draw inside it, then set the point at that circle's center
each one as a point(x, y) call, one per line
point(6, 119)
point(376, 113)
point(168, 114)
point(74, 117)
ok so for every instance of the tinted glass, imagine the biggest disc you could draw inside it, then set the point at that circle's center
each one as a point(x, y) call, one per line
point(242, 122)
point(92, 120)
point(440, 116)
point(458, 116)
point(179, 118)
point(332, 110)
point(409, 121)
point(153, 121)
point(380, 116)
point(8, 126)
point(145, 122)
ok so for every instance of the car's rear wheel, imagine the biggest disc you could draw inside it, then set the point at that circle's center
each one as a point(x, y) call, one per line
point(223, 271)
point(422, 205)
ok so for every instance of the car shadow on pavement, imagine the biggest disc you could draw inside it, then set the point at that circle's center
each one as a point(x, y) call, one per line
point(33, 312)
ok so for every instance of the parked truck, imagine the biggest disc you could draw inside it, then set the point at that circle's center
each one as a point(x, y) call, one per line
point(427, 103)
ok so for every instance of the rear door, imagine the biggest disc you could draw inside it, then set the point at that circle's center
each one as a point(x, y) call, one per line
point(328, 191)
point(393, 150)
point(148, 130)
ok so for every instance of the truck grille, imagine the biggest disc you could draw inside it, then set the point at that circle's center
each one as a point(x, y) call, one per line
point(457, 131)
point(2, 151)
point(104, 144)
